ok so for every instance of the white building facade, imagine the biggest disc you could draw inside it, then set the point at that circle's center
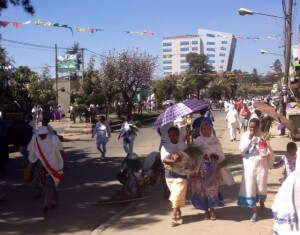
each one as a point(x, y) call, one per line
point(218, 46)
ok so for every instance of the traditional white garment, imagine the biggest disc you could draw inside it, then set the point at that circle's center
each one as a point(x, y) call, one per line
point(233, 121)
point(50, 158)
point(255, 171)
point(211, 145)
point(181, 124)
point(170, 148)
point(286, 206)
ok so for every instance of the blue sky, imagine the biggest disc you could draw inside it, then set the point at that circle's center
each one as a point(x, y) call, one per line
point(166, 17)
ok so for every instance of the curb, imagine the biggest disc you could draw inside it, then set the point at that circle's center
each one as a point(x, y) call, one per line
point(101, 228)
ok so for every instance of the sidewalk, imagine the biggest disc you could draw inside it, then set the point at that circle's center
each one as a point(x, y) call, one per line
point(153, 215)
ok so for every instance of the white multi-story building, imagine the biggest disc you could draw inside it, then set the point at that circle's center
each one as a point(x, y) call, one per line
point(219, 47)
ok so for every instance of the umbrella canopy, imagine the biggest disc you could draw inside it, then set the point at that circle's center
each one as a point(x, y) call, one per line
point(196, 105)
point(171, 114)
point(289, 124)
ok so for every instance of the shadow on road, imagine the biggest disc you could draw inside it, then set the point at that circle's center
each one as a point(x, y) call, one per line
point(87, 180)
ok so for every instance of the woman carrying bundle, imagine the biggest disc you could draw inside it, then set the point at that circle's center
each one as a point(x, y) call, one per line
point(204, 185)
point(176, 183)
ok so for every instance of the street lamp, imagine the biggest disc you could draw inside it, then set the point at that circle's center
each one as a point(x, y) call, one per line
point(271, 53)
point(288, 37)
point(244, 11)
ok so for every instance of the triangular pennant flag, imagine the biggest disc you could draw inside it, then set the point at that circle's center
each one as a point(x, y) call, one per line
point(70, 29)
point(27, 22)
point(127, 32)
point(38, 22)
point(80, 29)
point(91, 29)
point(48, 23)
point(16, 24)
point(64, 26)
point(99, 30)
point(4, 23)
point(56, 25)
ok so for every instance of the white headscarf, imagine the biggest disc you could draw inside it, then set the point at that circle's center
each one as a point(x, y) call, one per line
point(285, 211)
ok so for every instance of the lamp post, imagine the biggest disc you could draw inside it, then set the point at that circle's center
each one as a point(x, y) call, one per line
point(287, 51)
point(271, 53)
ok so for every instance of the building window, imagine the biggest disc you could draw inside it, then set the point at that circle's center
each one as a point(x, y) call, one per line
point(183, 55)
point(221, 54)
point(194, 48)
point(224, 42)
point(210, 49)
point(210, 35)
point(167, 62)
point(167, 44)
point(223, 48)
point(167, 67)
point(184, 43)
point(183, 61)
point(210, 43)
point(184, 49)
point(167, 50)
point(211, 61)
point(221, 67)
point(195, 42)
point(167, 73)
point(222, 61)
point(184, 67)
point(211, 55)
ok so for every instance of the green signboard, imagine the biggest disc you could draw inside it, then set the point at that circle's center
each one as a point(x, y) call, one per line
point(67, 64)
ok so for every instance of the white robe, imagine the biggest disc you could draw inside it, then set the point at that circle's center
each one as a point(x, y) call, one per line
point(50, 147)
point(255, 172)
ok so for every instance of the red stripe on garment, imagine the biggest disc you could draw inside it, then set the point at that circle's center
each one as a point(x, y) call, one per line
point(55, 173)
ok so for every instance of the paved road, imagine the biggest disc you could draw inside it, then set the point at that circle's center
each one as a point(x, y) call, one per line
point(88, 180)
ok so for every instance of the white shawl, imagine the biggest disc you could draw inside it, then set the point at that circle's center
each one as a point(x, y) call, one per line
point(48, 152)
point(286, 206)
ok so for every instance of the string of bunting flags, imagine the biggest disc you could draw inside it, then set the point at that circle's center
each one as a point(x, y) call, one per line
point(94, 30)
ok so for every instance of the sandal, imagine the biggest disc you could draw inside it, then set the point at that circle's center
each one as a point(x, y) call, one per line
point(213, 215)
point(174, 222)
point(206, 215)
point(253, 218)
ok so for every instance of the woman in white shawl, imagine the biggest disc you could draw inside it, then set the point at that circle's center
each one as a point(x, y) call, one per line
point(255, 170)
point(233, 121)
point(286, 206)
point(203, 188)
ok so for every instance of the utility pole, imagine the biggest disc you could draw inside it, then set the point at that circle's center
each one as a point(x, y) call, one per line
point(82, 61)
point(56, 73)
point(287, 53)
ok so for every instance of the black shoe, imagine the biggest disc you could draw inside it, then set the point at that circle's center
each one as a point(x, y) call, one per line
point(231, 140)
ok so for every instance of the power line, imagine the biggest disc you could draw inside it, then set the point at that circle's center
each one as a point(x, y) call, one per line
point(31, 44)
point(30, 48)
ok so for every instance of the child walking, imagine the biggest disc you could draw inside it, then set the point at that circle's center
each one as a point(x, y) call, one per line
point(289, 160)
point(176, 183)
point(102, 130)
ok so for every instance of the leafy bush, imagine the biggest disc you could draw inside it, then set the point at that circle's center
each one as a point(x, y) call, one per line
point(138, 123)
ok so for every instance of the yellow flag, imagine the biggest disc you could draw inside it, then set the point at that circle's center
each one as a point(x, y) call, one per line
point(48, 23)
point(81, 29)
point(38, 22)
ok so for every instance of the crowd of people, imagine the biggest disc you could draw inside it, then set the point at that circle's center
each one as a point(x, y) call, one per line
point(45, 159)
point(202, 188)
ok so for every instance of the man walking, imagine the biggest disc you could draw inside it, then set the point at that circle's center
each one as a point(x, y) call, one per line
point(102, 130)
point(45, 152)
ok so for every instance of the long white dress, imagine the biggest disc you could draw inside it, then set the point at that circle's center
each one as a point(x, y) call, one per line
point(255, 172)
point(286, 206)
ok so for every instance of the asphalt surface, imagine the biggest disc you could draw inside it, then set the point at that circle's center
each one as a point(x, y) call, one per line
point(88, 180)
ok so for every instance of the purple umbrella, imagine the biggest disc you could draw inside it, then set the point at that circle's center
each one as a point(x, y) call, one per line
point(171, 114)
point(196, 105)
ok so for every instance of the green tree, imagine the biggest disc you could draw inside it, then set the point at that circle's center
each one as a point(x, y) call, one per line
point(164, 89)
point(130, 72)
point(199, 71)
point(4, 4)
point(277, 66)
